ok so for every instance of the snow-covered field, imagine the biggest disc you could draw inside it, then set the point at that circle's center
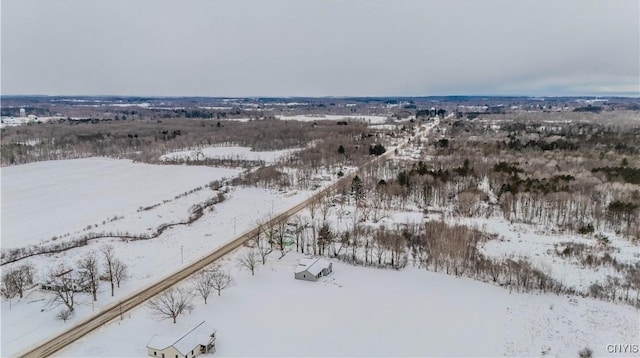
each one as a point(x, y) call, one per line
point(32, 319)
point(354, 312)
point(46, 199)
point(235, 153)
point(522, 241)
point(333, 117)
point(68, 195)
point(369, 312)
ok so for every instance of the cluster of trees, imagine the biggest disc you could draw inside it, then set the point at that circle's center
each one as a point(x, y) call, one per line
point(65, 283)
point(435, 245)
point(19, 253)
point(557, 190)
point(146, 140)
point(175, 301)
point(431, 113)
point(16, 280)
point(625, 173)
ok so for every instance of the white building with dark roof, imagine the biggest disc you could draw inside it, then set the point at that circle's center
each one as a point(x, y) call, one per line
point(201, 339)
point(311, 269)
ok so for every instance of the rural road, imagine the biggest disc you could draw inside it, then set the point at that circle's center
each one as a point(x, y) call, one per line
point(115, 310)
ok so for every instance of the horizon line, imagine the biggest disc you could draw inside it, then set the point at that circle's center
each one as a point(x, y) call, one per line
point(607, 95)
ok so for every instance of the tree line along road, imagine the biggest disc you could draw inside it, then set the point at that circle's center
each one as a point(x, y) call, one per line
point(117, 309)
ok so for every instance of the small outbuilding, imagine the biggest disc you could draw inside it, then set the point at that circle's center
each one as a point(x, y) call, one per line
point(201, 339)
point(311, 269)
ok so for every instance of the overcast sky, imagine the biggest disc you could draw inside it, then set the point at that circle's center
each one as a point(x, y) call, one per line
point(320, 48)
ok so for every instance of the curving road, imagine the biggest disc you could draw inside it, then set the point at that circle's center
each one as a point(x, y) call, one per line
point(116, 309)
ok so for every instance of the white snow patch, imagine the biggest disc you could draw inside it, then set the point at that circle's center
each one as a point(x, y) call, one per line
point(66, 195)
point(371, 312)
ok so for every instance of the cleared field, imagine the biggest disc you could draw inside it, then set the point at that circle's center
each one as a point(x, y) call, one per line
point(67, 196)
point(359, 311)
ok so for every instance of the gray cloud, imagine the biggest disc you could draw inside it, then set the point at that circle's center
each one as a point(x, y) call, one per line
point(319, 48)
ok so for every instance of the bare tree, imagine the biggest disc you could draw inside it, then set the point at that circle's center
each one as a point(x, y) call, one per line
point(325, 237)
point(221, 280)
point(120, 271)
point(325, 204)
point(313, 209)
point(64, 285)
point(109, 259)
point(249, 260)
point(280, 234)
point(300, 233)
point(203, 283)
point(170, 303)
point(89, 265)
point(262, 244)
point(8, 290)
point(18, 279)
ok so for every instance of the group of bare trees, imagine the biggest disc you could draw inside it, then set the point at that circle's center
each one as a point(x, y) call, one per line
point(433, 245)
point(16, 280)
point(175, 301)
point(65, 283)
point(146, 140)
point(269, 236)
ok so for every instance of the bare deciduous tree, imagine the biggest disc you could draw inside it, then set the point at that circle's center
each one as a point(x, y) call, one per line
point(109, 260)
point(120, 271)
point(249, 260)
point(264, 248)
point(15, 281)
point(170, 303)
point(7, 290)
point(280, 234)
point(221, 280)
point(203, 283)
point(91, 271)
point(63, 284)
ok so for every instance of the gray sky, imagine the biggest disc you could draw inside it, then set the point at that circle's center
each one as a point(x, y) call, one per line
point(320, 48)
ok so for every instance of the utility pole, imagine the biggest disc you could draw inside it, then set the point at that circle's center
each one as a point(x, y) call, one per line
point(181, 254)
point(234, 225)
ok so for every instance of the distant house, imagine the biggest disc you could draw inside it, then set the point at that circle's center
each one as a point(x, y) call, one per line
point(199, 340)
point(311, 269)
point(67, 280)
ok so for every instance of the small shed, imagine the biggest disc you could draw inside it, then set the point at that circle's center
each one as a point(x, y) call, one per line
point(311, 269)
point(201, 339)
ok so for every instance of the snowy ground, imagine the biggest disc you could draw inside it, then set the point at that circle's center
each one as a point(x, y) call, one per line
point(369, 312)
point(235, 153)
point(331, 117)
point(31, 319)
point(523, 241)
point(69, 196)
point(354, 312)
point(65, 196)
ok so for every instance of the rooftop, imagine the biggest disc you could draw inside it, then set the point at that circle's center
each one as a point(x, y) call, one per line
point(312, 265)
point(199, 335)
